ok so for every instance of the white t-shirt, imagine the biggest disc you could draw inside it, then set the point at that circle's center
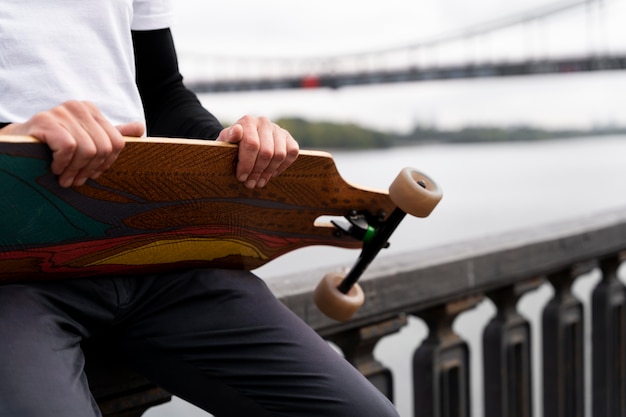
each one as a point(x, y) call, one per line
point(52, 51)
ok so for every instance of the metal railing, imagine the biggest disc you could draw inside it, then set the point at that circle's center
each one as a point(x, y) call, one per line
point(437, 285)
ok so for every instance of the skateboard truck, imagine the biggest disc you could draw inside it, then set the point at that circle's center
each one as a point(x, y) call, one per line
point(360, 225)
point(374, 239)
point(338, 296)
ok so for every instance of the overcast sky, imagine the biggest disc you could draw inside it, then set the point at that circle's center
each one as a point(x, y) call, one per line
point(322, 27)
point(287, 28)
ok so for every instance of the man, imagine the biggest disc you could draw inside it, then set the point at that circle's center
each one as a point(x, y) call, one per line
point(79, 75)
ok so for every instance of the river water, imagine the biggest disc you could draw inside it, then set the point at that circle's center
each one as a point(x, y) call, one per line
point(488, 189)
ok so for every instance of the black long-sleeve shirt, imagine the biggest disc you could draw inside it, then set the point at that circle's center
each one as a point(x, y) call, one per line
point(171, 109)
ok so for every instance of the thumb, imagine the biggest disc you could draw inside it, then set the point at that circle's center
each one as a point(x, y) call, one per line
point(232, 134)
point(134, 129)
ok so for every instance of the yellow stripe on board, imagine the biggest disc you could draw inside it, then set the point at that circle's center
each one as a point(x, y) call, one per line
point(180, 250)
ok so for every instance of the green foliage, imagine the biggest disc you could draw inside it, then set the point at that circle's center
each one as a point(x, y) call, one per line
point(327, 135)
point(499, 134)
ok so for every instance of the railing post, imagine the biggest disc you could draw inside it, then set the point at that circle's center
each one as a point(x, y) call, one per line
point(563, 350)
point(608, 307)
point(441, 368)
point(358, 348)
point(507, 355)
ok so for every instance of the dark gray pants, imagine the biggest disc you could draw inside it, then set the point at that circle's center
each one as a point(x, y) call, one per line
point(218, 339)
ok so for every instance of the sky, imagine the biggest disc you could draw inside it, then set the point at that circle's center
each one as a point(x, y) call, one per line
point(212, 37)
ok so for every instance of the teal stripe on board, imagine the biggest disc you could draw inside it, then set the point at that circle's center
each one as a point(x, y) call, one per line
point(31, 214)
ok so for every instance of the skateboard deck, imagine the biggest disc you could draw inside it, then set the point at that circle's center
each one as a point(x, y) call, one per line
point(167, 204)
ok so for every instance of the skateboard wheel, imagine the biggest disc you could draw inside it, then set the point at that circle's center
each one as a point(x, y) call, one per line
point(335, 304)
point(415, 193)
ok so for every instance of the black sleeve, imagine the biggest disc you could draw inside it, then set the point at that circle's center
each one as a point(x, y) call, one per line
point(171, 109)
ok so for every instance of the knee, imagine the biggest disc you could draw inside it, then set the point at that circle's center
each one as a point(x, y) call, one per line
point(33, 362)
point(20, 313)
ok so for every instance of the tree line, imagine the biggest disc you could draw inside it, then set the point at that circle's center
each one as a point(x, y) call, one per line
point(332, 135)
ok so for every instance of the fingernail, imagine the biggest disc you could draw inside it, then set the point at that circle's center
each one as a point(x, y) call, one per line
point(261, 183)
point(243, 177)
point(251, 184)
point(67, 182)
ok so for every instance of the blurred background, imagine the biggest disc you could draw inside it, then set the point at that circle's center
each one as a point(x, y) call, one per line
point(515, 108)
point(251, 40)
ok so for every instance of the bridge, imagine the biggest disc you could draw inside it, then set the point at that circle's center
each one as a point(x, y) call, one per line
point(466, 53)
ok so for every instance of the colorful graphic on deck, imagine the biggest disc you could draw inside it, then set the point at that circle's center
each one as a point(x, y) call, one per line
point(162, 206)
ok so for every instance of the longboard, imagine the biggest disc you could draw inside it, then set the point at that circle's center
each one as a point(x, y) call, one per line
point(169, 204)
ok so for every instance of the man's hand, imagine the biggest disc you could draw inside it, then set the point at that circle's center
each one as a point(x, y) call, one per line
point(265, 149)
point(83, 142)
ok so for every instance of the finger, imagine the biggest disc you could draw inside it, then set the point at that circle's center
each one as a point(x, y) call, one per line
point(82, 141)
point(133, 129)
point(98, 142)
point(233, 134)
point(292, 150)
point(279, 138)
point(84, 160)
point(63, 146)
point(45, 127)
point(245, 133)
point(256, 152)
point(115, 136)
point(113, 142)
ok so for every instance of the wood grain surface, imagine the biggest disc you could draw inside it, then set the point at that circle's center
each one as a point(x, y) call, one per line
point(165, 204)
